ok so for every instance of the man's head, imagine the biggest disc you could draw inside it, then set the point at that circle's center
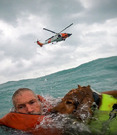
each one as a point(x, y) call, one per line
point(26, 101)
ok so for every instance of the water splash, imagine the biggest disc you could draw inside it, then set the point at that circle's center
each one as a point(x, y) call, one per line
point(66, 123)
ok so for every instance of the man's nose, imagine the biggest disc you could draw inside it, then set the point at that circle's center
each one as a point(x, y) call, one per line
point(29, 109)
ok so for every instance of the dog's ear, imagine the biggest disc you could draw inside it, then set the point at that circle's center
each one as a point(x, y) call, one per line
point(79, 87)
point(88, 86)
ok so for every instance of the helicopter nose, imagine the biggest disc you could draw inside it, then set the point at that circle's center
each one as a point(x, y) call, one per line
point(69, 34)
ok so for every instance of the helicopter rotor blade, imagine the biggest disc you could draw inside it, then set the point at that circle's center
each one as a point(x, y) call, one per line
point(49, 30)
point(66, 27)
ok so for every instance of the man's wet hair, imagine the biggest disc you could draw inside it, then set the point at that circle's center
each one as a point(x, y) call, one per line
point(20, 90)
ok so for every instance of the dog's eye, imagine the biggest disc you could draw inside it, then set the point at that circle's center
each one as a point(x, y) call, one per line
point(68, 102)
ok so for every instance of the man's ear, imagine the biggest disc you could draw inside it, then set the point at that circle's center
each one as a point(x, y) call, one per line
point(13, 109)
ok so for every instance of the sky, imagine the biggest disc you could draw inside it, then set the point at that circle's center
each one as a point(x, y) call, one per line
point(94, 35)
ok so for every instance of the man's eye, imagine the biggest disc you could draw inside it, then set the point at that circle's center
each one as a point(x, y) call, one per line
point(20, 107)
point(32, 102)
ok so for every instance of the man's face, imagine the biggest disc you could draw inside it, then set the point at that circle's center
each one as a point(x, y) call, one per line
point(27, 102)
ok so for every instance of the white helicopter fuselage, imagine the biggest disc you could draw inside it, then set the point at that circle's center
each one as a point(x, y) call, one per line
point(57, 38)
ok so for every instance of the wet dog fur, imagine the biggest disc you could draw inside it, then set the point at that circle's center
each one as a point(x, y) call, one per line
point(81, 102)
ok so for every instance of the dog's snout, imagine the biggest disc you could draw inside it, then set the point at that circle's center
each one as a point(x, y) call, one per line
point(54, 111)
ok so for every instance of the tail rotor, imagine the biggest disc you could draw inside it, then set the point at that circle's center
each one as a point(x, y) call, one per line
point(39, 43)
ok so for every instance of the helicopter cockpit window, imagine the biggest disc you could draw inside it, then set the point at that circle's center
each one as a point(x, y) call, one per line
point(59, 35)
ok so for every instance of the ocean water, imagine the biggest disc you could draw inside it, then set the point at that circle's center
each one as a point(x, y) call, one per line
point(100, 74)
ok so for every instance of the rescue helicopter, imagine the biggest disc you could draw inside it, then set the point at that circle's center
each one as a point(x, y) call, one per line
point(57, 37)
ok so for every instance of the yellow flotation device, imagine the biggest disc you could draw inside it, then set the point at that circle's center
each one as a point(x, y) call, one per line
point(107, 102)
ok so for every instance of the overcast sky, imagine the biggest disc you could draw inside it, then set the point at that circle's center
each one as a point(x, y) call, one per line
point(94, 35)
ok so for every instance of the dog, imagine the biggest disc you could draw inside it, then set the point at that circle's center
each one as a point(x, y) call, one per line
point(82, 102)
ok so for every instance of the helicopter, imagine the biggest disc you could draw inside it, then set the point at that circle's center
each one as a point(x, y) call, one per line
point(57, 37)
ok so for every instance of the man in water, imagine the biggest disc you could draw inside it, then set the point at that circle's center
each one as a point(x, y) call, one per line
point(30, 114)
point(26, 101)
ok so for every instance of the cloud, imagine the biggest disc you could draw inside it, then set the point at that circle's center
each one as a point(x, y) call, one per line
point(96, 11)
point(21, 24)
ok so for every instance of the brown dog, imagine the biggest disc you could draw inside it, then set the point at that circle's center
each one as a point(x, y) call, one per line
point(80, 102)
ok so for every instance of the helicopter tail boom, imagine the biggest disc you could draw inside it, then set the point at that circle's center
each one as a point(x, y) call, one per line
point(39, 43)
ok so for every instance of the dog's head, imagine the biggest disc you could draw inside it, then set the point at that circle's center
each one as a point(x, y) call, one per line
point(78, 102)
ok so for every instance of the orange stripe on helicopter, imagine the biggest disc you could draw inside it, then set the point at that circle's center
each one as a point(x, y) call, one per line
point(64, 35)
point(49, 41)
